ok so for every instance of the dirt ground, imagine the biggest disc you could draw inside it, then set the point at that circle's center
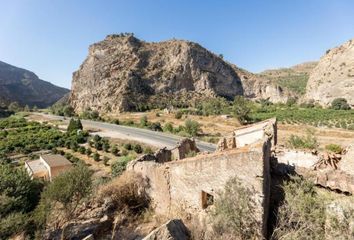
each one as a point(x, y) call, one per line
point(324, 135)
point(218, 125)
point(211, 125)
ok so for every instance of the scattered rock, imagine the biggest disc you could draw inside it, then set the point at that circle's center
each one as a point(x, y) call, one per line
point(172, 230)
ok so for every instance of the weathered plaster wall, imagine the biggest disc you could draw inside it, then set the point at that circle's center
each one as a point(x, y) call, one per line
point(347, 162)
point(55, 171)
point(297, 158)
point(252, 133)
point(179, 184)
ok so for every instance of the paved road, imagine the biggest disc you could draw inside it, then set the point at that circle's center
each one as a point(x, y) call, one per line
point(157, 139)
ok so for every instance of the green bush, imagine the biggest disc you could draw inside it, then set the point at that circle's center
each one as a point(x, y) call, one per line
point(148, 150)
point(89, 114)
point(334, 148)
point(155, 126)
point(168, 127)
point(241, 108)
point(299, 142)
point(62, 110)
point(119, 166)
point(105, 145)
point(69, 189)
point(105, 160)
point(234, 213)
point(82, 150)
point(97, 138)
point(96, 156)
point(291, 101)
point(88, 151)
point(178, 115)
point(302, 214)
point(192, 127)
point(137, 148)
point(19, 195)
point(14, 107)
point(114, 150)
point(14, 223)
point(214, 106)
point(125, 152)
point(340, 104)
point(144, 121)
point(18, 192)
point(74, 125)
point(128, 146)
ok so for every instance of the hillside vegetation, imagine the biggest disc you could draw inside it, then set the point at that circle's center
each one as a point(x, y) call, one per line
point(294, 78)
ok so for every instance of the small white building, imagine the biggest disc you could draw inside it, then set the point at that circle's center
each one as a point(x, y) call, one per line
point(47, 166)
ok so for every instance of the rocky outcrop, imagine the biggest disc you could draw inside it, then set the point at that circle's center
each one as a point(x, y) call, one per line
point(333, 77)
point(257, 87)
point(292, 81)
point(24, 87)
point(172, 230)
point(123, 73)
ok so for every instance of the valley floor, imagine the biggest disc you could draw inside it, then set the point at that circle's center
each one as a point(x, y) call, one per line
point(214, 126)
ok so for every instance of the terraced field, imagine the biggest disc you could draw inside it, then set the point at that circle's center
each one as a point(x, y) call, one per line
point(310, 116)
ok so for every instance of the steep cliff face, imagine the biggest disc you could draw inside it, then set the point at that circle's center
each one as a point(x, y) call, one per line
point(293, 79)
point(22, 86)
point(121, 72)
point(333, 77)
point(257, 87)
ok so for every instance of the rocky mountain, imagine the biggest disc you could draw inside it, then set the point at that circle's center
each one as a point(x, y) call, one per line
point(256, 86)
point(22, 86)
point(293, 79)
point(123, 73)
point(333, 77)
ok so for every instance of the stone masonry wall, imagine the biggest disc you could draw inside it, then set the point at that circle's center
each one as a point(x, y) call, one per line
point(179, 184)
point(252, 133)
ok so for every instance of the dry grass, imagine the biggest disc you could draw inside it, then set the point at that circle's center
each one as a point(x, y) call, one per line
point(324, 136)
point(209, 124)
point(127, 192)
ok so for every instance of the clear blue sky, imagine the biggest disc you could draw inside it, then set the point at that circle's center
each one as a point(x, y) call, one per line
point(51, 37)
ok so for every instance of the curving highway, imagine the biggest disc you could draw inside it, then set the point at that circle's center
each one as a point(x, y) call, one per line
point(157, 139)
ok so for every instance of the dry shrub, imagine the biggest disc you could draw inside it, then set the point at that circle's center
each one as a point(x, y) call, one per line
point(302, 214)
point(234, 216)
point(127, 192)
point(340, 219)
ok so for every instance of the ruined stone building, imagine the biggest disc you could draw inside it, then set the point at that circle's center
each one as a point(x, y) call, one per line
point(192, 184)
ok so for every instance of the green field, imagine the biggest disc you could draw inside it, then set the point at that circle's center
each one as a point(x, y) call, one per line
point(311, 116)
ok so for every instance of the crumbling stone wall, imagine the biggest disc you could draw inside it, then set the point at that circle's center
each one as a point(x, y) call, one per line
point(252, 133)
point(179, 184)
point(304, 163)
point(226, 143)
point(183, 148)
point(249, 134)
point(187, 183)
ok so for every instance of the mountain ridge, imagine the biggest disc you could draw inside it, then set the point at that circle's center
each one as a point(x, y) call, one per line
point(121, 73)
point(26, 88)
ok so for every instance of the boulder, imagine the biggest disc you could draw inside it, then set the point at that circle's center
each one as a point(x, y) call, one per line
point(172, 230)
